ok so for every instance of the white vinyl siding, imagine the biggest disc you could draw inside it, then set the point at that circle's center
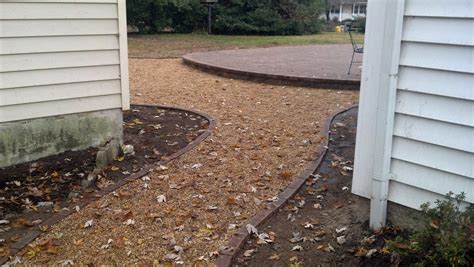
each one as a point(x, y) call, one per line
point(433, 144)
point(60, 57)
point(58, 44)
point(34, 11)
point(433, 121)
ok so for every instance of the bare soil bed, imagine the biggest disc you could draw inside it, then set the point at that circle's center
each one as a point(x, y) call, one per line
point(32, 192)
point(324, 224)
point(265, 135)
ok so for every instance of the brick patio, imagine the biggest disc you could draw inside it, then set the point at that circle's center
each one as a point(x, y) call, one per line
point(315, 65)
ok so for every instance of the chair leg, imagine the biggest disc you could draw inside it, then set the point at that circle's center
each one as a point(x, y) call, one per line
point(350, 66)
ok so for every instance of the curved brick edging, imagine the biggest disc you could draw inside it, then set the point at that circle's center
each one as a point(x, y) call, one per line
point(237, 241)
point(199, 61)
point(32, 234)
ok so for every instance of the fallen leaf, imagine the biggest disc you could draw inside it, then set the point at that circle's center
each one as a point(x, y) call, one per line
point(129, 222)
point(251, 229)
point(347, 168)
point(211, 208)
point(264, 238)
point(88, 224)
point(114, 168)
point(297, 248)
point(274, 257)
point(124, 194)
point(341, 240)
point(231, 201)
point(286, 174)
point(371, 252)
point(384, 250)
point(204, 231)
point(249, 252)
point(326, 248)
point(52, 249)
point(360, 251)
point(162, 168)
point(161, 198)
point(4, 252)
point(178, 249)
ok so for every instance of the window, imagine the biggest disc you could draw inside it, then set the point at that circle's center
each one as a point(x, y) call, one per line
point(359, 9)
point(334, 9)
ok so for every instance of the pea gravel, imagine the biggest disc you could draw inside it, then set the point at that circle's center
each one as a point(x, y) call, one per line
point(265, 135)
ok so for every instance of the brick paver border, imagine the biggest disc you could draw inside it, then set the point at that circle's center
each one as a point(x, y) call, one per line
point(275, 79)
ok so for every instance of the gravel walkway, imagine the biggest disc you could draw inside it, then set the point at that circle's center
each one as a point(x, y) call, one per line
point(265, 135)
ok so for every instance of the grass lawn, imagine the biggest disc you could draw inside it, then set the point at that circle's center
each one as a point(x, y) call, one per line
point(176, 45)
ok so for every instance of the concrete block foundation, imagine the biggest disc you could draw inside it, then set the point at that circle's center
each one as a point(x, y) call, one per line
point(27, 140)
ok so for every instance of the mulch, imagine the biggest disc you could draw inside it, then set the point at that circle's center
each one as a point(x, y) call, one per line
point(32, 192)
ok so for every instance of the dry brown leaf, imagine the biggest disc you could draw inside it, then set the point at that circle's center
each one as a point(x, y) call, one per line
point(4, 252)
point(43, 242)
point(21, 222)
point(52, 249)
point(360, 251)
point(274, 257)
point(125, 194)
point(231, 201)
point(127, 215)
point(286, 174)
point(326, 248)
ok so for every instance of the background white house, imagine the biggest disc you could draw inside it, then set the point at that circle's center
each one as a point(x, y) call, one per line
point(347, 9)
point(63, 76)
point(415, 136)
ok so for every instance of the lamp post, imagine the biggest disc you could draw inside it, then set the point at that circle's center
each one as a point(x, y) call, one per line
point(209, 4)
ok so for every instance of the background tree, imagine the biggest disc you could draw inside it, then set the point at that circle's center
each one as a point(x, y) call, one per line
point(258, 17)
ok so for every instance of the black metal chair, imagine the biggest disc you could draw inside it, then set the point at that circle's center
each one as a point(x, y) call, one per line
point(356, 49)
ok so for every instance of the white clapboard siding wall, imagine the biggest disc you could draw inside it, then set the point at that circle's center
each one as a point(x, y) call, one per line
point(433, 132)
point(61, 57)
point(432, 139)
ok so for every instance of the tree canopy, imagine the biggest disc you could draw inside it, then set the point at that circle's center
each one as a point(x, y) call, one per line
point(258, 17)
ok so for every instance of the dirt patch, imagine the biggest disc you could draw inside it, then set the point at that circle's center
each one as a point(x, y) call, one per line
point(32, 192)
point(265, 135)
point(305, 229)
point(324, 224)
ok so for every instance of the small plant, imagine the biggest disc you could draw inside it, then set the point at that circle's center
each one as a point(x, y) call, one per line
point(447, 238)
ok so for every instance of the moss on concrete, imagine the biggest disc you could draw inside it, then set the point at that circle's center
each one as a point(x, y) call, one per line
point(28, 140)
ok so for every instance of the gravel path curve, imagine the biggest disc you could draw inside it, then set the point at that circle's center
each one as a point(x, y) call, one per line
point(265, 135)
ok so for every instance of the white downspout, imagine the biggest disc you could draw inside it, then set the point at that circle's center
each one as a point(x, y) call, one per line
point(379, 79)
point(387, 99)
